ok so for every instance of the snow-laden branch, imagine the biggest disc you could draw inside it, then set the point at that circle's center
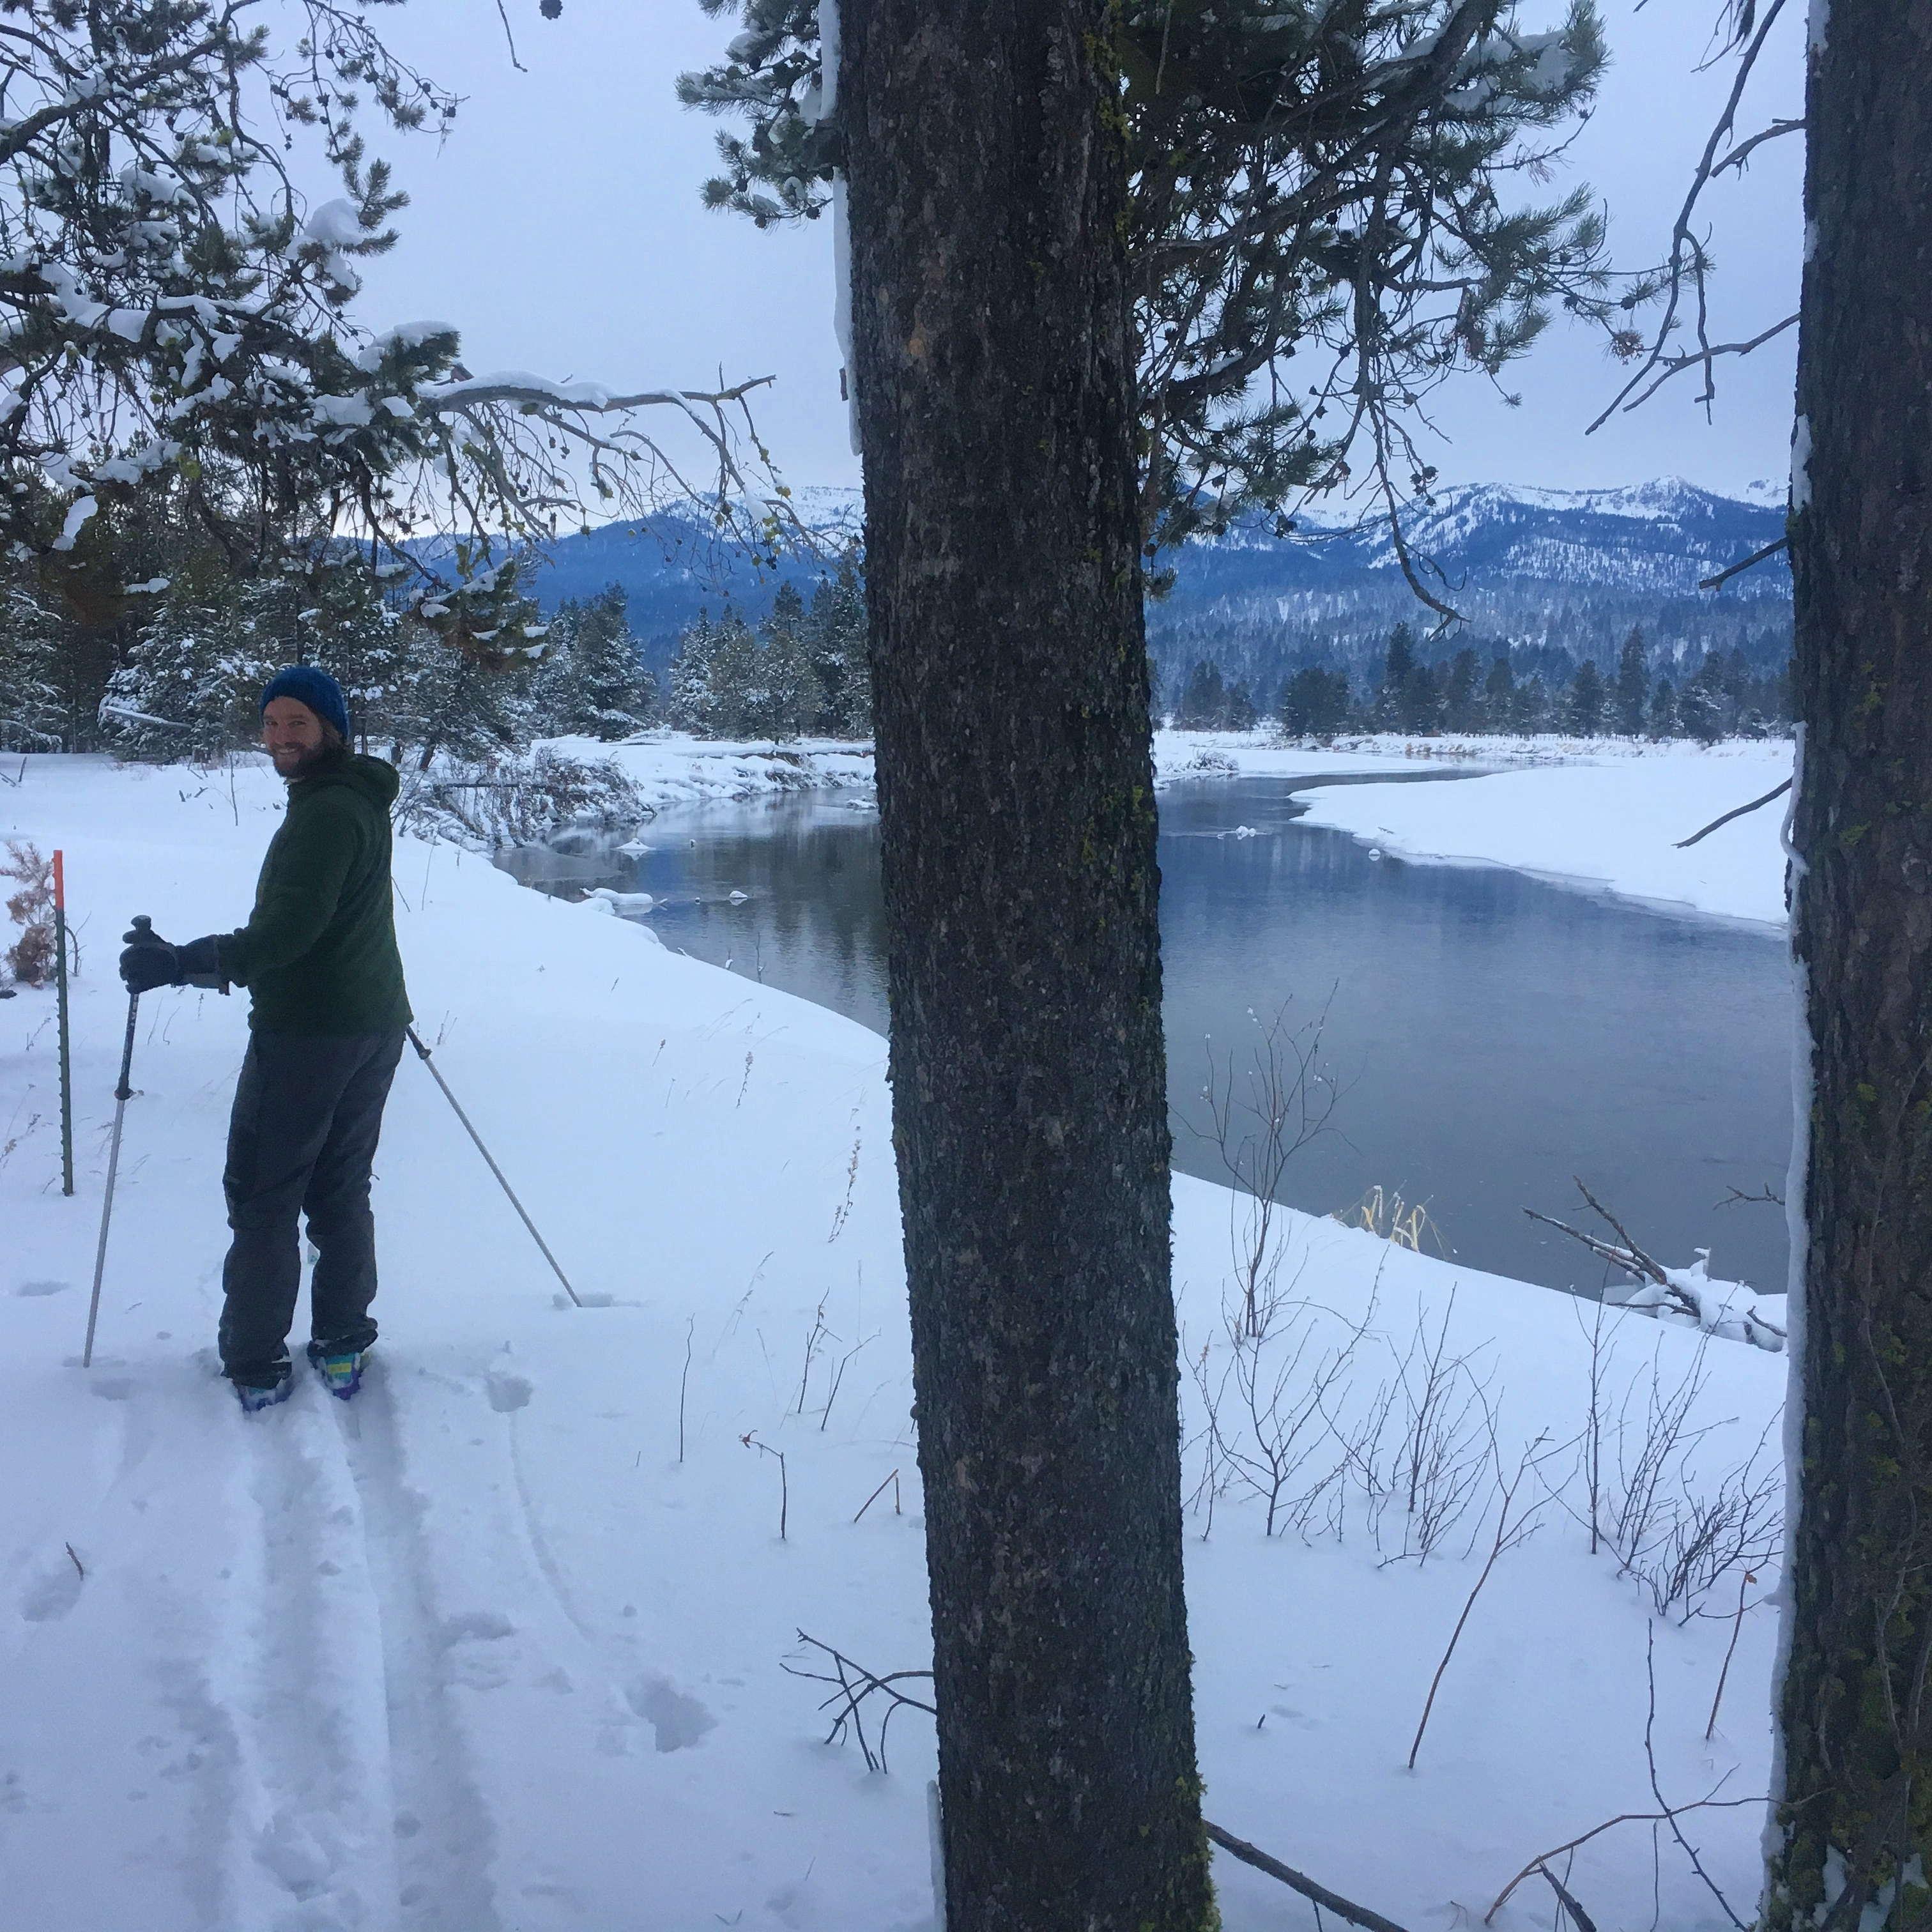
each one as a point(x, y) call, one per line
point(1727, 1310)
point(174, 313)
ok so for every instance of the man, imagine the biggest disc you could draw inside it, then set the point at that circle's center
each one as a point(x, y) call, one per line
point(326, 1020)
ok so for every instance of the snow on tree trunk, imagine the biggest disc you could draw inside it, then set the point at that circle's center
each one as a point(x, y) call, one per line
point(995, 398)
point(1848, 1842)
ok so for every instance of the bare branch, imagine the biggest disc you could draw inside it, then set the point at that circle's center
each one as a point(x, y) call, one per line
point(1536, 1864)
point(1342, 1908)
point(1584, 1922)
point(1687, 260)
point(1736, 157)
point(1757, 557)
point(1657, 1790)
point(1777, 791)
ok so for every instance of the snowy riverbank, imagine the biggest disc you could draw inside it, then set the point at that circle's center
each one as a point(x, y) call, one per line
point(1611, 823)
point(502, 1645)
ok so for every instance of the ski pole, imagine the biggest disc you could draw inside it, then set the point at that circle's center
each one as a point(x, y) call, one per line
point(123, 1093)
point(422, 1053)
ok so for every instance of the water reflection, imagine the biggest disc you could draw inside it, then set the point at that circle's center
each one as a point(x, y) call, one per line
point(1495, 1035)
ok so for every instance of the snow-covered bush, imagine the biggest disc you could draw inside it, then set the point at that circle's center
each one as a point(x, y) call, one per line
point(518, 800)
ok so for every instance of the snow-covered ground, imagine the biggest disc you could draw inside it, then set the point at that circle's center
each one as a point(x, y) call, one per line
point(672, 768)
point(500, 1647)
point(1612, 823)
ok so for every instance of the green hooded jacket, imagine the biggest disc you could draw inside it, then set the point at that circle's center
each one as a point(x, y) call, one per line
point(318, 955)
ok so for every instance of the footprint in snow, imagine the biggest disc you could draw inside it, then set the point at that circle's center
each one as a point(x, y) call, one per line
point(40, 1288)
point(509, 1392)
point(289, 1848)
point(487, 1669)
point(678, 1721)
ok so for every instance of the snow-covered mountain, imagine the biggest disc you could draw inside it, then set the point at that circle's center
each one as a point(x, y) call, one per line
point(1571, 568)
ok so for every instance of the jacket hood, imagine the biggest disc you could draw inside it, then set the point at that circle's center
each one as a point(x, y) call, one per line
point(375, 779)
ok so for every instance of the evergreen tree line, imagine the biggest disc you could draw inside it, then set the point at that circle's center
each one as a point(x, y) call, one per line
point(149, 642)
point(803, 671)
point(1262, 635)
point(1720, 695)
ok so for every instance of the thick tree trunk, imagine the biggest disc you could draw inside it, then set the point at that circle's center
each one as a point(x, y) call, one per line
point(995, 394)
point(1856, 1816)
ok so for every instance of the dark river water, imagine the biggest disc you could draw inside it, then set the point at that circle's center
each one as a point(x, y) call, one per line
point(1488, 1036)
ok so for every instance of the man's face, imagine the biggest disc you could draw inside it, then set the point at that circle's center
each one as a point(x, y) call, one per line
point(292, 734)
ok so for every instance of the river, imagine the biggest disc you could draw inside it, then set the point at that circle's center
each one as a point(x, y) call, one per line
point(1487, 1037)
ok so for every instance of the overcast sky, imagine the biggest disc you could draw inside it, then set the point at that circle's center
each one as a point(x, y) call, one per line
point(558, 227)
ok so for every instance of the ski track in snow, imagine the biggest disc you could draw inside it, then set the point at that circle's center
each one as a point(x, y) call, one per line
point(444, 1833)
point(300, 1670)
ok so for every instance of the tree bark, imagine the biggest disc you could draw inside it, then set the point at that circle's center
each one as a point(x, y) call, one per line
point(1856, 1811)
point(995, 388)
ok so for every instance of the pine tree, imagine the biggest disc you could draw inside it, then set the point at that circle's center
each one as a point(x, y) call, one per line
point(1238, 712)
point(1700, 705)
point(31, 715)
point(786, 694)
point(1462, 709)
point(615, 695)
point(1661, 720)
point(834, 633)
point(687, 701)
point(1632, 685)
point(1018, 856)
point(1419, 701)
point(1311, 132)
point(1398, 675)
point(1314, 702)
point(1852, 1827)
point(1203, 705)
point(1499, 710)
point(191, 688)
point(1583, 704)
point(1529, 709)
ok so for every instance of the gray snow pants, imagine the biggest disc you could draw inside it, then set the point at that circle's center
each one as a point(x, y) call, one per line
point(308, 1110)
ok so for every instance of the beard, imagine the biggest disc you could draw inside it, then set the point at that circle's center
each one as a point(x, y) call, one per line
point(293, 762)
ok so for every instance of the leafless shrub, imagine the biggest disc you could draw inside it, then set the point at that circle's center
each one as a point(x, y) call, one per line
point(1649, 1454)
point(1679, 1535)
point(1734, 1528)
point(1258, 1120)
point(1438, 1460)
point(1284, 1415)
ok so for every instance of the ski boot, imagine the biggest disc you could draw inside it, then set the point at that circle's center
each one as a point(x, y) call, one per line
point(339, 1367)
point(254, 1396)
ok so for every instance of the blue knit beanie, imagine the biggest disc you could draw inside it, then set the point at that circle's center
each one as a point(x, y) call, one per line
point(316, 688)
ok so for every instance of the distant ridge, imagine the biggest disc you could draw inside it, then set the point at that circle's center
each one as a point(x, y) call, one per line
point(1537, 569)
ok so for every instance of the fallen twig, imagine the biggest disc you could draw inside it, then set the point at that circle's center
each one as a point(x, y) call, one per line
point(1342, 1908)
point(1584, 1922)
point(853, 1684)
point(893, 1479)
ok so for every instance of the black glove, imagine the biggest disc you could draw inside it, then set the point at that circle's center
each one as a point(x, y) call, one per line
point(150, 962)
point(200, 962)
